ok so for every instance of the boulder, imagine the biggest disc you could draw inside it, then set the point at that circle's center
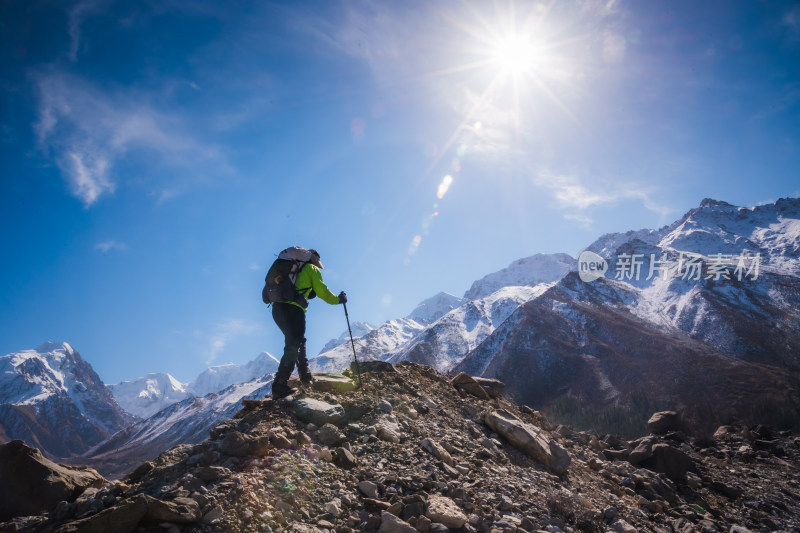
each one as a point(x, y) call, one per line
point(32, 484)
point(468, 384)
point(122, 518)
point(670, 461)
point(333, 383)
point(663, 422)
point(318, 412)
point(494, 387)
point(529, 439)
point(642, 451)
point(236, 444)
point(445, 511)
point(178, 511)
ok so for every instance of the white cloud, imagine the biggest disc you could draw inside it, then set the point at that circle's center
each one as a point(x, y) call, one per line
point(88, 175)
point(107, 246)
point(76, 17)
point(225, 332)
point(571, 193)
point(88, 131)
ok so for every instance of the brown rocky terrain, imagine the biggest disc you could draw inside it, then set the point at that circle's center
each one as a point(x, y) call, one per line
point(415, 450)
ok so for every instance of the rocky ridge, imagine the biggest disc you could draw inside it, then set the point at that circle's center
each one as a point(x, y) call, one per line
point(415, 450)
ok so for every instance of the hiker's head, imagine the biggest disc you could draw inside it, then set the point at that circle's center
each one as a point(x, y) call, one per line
point(315, 260)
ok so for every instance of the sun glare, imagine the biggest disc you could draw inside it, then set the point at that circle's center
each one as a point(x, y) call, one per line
point(515, 54)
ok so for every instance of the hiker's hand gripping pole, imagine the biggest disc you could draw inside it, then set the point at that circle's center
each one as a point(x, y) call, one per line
point(352, 343)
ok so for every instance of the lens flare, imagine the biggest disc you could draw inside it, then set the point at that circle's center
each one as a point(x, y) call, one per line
point(357, 127)
point(444, 186)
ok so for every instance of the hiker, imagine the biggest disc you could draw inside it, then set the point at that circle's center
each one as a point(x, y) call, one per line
point(289, 314)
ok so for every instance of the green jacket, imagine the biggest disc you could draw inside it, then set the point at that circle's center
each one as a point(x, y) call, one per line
point(310, 278)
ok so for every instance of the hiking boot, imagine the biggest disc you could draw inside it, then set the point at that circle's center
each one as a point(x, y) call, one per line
point(280, 387)
point(281, 390)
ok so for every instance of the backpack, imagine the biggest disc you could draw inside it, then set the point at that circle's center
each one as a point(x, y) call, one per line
point(280, 279)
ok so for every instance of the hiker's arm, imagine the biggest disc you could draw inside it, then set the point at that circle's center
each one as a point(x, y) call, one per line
point(320, 288)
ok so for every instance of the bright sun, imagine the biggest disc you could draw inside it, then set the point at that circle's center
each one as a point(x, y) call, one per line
point(515, 55)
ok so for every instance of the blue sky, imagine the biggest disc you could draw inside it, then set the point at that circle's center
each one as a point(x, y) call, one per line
point(157, 155)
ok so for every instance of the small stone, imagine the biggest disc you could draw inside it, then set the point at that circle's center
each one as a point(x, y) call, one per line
point(445, 511)
point(333, 508)
point(693, 481)
point(302, 438)
point(392, 524)
point(368, 489)
point(329, 435)
point(214, 514)
point(435, 449)
point(279, 441)
point(385, 406)
point(505, 503)
point(344, 458)
point(376, 505)
point(621, 526)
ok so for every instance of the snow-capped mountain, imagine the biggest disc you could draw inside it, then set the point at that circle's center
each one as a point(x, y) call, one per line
point(376, 344)
point(216, 378)
point(148, 395)
point(449, 339)
point(530, 271)
point(184, 422)
point(359, 330)
point(708, 338)
point(52, 398)
point(442, 329)
point(435, 307)
point(718, 341)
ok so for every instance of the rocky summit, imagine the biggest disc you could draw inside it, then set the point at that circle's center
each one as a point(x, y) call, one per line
point(414, 450)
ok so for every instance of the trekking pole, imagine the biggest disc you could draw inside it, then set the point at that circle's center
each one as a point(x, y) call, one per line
point(353, 344)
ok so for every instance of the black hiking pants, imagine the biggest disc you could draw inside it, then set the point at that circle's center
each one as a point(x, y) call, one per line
point(292, 321)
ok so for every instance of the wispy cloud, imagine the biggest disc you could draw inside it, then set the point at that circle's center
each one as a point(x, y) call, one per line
point(108, 246)
point(573, 195)
point(75, 20)
point(791, 21)
point(226, 332)
point(89, 131)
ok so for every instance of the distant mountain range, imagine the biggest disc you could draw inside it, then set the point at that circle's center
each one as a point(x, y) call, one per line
point(700, 315)
point(53, 399)
point(148, 395)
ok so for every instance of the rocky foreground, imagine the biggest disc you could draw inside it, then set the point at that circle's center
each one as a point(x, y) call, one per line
point(414, 450)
